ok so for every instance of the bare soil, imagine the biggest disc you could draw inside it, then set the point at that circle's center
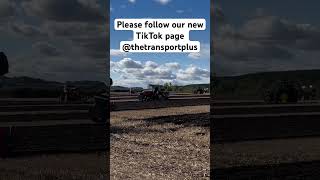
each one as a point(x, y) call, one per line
point(266, 152)
point(168, 143)
point(75, 166)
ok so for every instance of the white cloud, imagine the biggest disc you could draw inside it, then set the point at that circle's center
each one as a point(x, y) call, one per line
point(128, 63)
point(132, 1)
point(117, 52)
point(173, 65)
point(133, 72)
point(203, 54)
point(151, 64)
point(195, 55)
point(180, 11)
point(193, 73)
point(163, 2)
point(64, 39)
point(265, 43)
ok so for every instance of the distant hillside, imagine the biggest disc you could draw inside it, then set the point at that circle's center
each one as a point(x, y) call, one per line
point(119, 89)
point(124, 89)
point(252, 86)
point(32, 87)
point(27, 82)
point(191, 87)
point(184, 89)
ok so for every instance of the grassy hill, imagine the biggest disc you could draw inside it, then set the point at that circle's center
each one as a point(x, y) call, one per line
point(251, 86)
point(191, 87)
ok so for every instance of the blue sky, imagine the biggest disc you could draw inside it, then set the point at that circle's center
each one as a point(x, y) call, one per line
point(178, 68)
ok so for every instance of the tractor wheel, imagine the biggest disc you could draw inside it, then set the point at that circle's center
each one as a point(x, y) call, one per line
point(141, 98)
point(96, 114)
point(113, 106)
point(267, 99)
point(162, 98)
point(93, 113)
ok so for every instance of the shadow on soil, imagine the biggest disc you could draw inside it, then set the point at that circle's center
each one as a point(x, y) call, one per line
point(188, 120)
point(297, 170)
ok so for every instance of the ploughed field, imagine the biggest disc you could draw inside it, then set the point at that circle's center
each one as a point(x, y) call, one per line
point(51, 141)
point(65, 126)
point(164, 143)
point(253, 140)
point(163, 140)
point(127, 102)
point(39, 126)
point(62, 166)
point(58, 141)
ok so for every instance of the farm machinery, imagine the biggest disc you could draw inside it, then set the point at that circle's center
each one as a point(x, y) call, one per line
point(289, 92)
point(153, 95)
point(201, 90)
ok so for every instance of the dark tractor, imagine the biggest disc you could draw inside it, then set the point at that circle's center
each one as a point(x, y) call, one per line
point(283, 92)
point(4, 65)
point(149, 95)
point(74, 95)
point(6, 137)
point(199, 91)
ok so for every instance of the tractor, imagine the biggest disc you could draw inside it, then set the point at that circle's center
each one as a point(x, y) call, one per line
point(149, 95)
point(4, 65)
point(289, 92)
point(199, 91)
point(72, 94)
point(283, 92)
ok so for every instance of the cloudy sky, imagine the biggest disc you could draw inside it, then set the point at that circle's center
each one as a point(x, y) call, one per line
point(55, 39)
point(255, 36)
point(141, 69)
point(66, 39)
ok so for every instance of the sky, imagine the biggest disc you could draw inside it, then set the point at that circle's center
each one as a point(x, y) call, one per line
point(257, 36)
point(67, 40)
point(58, 40)
point(141, 69)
